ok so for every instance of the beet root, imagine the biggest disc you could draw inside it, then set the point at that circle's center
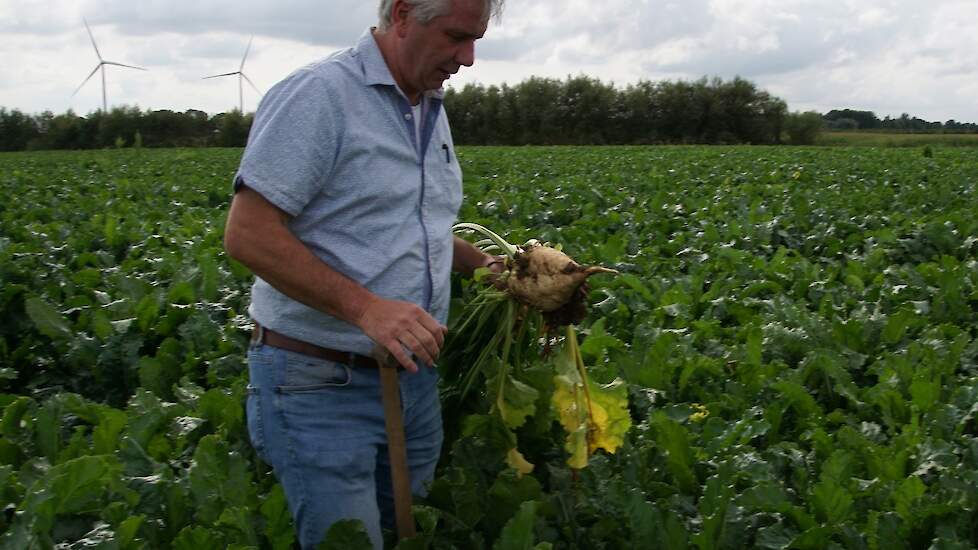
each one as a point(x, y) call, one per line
point(547, 279)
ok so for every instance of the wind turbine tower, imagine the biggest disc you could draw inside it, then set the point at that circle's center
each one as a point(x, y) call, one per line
point(101, 66)
point(242, 78)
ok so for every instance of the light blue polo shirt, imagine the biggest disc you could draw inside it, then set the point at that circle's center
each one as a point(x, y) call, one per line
point(334, 145)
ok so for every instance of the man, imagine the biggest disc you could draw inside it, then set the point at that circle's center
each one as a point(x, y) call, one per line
point(343, 207)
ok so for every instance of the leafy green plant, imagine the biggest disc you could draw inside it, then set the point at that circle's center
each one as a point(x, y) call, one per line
point(794, 328)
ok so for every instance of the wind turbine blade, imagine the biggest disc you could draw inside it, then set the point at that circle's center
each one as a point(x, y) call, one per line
point(252, 83)
point(245, 56)
point(220, 75)
point(89, 77)
point(123, 65)
point(90, 35)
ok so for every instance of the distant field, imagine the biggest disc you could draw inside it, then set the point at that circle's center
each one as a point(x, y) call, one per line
point(894, 139)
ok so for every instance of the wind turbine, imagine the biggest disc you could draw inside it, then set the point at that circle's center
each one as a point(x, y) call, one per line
point(241, 77)
point(101, 65)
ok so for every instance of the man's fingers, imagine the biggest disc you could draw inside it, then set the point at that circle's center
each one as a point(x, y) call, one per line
point(404, 328)
point(498, 264)
point(422, 347)
point(397, 351)
point(423, 336)
point(433, 327)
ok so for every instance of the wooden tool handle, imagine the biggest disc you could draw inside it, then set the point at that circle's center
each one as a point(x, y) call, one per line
point(397, 447)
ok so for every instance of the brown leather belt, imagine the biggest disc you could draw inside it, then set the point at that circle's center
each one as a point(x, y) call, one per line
point(271, 338)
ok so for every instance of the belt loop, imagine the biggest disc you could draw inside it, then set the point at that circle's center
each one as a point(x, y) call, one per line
point(261, 333)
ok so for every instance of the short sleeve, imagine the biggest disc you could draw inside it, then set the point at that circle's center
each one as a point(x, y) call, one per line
point(293, 143)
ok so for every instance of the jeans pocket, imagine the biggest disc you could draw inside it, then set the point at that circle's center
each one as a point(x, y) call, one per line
point(256, 429)
point(304, 373)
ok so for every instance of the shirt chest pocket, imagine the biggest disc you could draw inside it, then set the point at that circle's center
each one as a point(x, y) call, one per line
point(443, 180)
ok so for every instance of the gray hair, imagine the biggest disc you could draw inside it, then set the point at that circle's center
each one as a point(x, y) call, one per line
point(426, 10)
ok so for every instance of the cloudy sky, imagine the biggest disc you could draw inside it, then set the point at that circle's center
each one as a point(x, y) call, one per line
point(887, 56)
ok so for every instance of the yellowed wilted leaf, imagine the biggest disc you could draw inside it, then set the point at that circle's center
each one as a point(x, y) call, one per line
point(610, 420)
point(518, 462)
point(594, 416)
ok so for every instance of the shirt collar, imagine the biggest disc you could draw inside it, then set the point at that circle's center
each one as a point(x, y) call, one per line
point(375, 70)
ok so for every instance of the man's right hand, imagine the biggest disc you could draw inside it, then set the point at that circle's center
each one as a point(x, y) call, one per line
point(401, 328)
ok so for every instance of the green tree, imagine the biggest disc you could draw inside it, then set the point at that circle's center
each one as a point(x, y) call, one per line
point(231, 129)
point(584, 112)
point(635, 115)
point(865, 120)
point(803, 128)
point(536, 100)
point(62, 131)
point(119, 125)
point(16, 130)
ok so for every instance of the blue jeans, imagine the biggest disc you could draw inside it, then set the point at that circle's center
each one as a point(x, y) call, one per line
point(320, 425)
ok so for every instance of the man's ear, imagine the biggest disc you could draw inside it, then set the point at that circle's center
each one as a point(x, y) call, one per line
point(400, 13)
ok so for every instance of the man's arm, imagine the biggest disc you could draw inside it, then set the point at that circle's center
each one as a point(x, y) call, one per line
point(257, 235)
point(468, 258)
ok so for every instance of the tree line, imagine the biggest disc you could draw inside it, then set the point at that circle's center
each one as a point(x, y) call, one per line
point(852, 119)
point(584, 110)
point(122, 127)
point(538, 111)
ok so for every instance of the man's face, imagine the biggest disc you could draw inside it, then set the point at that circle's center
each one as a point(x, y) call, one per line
point(434, 51)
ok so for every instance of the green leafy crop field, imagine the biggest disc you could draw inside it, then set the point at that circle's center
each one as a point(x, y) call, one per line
point(797, 329)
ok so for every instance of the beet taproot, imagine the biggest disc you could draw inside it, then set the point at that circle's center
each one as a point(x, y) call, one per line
point(547, 279)
point(539, 276)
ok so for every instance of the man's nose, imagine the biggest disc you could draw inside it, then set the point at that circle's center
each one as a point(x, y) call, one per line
point(466, 53)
